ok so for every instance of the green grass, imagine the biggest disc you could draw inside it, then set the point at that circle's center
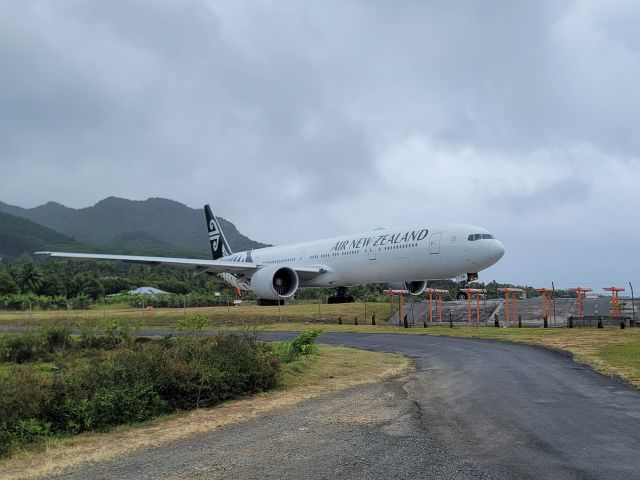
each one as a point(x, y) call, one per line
point(247, 315)
point(626, 358)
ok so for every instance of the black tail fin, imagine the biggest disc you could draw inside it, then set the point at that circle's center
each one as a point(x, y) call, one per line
point(219, 245)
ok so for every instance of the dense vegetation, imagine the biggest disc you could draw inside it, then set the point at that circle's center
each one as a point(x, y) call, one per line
point(54, 283)
point(54, 384)
point(19, 235)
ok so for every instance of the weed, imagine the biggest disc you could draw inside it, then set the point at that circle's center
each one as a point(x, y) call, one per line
point(56, 337)
point(193, 323)
point(303, 345)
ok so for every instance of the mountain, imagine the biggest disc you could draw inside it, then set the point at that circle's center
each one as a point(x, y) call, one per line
point(19, 235)
point(155, 226)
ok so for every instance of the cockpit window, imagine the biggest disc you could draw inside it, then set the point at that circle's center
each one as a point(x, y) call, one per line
point(479, 236)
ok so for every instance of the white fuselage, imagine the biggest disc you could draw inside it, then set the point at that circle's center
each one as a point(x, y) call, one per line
point(383, 256)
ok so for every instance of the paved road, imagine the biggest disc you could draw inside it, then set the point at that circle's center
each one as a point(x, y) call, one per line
point(473, 409)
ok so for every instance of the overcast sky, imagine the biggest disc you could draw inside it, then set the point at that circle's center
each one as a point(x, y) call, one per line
point(298, 120)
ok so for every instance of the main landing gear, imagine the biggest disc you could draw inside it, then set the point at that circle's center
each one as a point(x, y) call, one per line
point(264, 302)
point(340, 296)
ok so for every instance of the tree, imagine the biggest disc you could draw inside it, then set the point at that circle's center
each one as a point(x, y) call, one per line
point(115, 284)
point(7, 284)
point(29, 278)
point(94, 288)
point(174, 286)
point(86, 284)
point(52, 285)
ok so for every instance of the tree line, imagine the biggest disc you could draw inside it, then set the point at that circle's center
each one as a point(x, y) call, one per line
point(52, 283)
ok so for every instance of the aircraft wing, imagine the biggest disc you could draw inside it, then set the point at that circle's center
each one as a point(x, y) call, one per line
point(211, 266)
point(200, 265)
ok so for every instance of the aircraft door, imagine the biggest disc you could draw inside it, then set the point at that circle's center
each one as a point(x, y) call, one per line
point(372, 254)
point(434, 243)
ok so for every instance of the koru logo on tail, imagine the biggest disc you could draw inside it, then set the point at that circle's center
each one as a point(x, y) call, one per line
point(214, 234)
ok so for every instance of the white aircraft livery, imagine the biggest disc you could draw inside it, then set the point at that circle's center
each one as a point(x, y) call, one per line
point(401, 257)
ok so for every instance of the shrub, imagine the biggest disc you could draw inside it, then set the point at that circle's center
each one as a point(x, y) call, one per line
point(89, 337)
point(23, 395)
point(201, 372)
point(21, 348)
point(29, 346)
point(118, 331)
point(32, 430)
point(303, 345)
point(193, 323)
point(56, 337)
point(129, 383)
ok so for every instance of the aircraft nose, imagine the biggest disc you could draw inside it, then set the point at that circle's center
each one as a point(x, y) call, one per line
point(495, 250)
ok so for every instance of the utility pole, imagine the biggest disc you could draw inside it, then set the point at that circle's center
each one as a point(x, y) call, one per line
point(633, 304)
point(553, 288)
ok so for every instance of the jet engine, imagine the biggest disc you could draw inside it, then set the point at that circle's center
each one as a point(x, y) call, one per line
point(414, 288)
point(273, 282)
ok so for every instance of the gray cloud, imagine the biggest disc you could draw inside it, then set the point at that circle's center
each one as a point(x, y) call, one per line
point(544, 197)
point(335, 116)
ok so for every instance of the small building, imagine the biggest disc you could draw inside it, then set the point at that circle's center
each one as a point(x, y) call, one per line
point(147, 291)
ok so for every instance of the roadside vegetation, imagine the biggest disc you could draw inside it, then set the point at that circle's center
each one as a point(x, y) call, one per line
point(54, 384)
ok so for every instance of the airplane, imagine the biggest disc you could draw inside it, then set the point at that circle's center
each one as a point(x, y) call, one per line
point(404, 258)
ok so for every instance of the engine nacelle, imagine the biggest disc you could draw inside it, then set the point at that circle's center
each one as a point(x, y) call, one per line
point(414, 288)
point(273, 282)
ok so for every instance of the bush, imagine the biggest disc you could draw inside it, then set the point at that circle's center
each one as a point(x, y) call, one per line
point(118, 331)
point(131, 382)
point(21, 348)
point(303, 345)
point(29, 346)
point(23, 397)
point(56, 337)
point(89, 336)
point(193, 323)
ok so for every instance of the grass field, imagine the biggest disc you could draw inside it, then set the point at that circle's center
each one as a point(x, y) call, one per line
point(334, 368)
point(234, 315)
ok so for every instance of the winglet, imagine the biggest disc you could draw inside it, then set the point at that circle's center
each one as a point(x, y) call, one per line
point(219, 245)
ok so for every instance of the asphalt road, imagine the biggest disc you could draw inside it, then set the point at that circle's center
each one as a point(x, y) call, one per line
point(472, 409)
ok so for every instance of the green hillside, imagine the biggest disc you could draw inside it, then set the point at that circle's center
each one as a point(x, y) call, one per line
point(19, 235)
point(154, 226)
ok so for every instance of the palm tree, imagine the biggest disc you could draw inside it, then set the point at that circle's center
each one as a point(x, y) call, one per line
point(29, 278)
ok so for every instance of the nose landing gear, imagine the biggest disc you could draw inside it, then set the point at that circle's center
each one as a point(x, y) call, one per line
point(462, 295)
